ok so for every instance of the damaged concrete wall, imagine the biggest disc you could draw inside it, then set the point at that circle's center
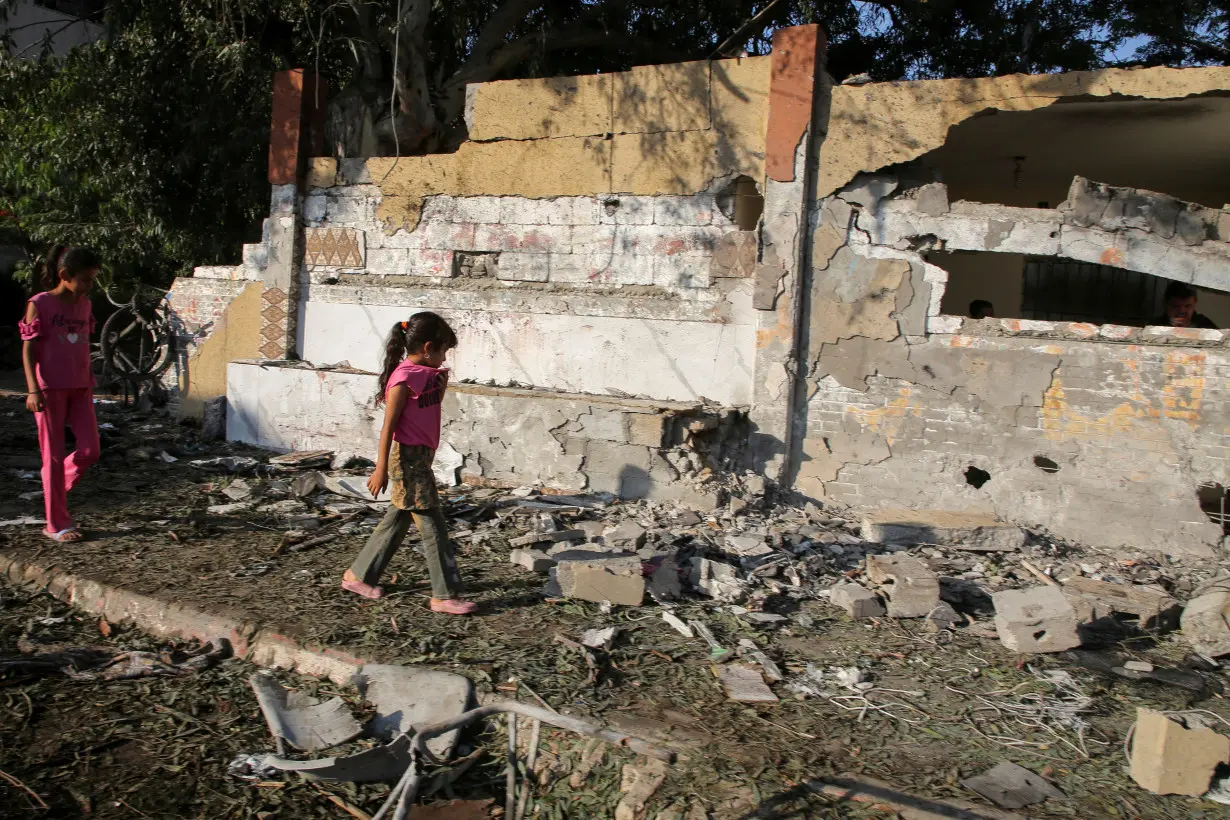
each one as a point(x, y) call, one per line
point(633, 448)
point(1100, 434)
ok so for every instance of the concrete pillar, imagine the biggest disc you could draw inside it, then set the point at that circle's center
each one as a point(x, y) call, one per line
point(794, 125)
point(296, 133)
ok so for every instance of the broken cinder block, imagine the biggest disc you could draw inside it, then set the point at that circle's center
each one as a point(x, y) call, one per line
point(1204, 623)
point(1170, 759)
point(628, 535)
point(533, 560)
point(1038, 619)
point(913, 590)
point(856, 600)
point(715, 579)
point(618, 580)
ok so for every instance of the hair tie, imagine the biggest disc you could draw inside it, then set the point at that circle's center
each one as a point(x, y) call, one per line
point(404, 325)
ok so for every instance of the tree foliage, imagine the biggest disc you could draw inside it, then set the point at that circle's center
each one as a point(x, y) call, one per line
point(151, 145)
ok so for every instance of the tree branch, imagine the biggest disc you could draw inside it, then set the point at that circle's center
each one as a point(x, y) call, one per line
point(496, 30)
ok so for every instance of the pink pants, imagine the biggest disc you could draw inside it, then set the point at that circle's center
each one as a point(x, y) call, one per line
point(74, 408)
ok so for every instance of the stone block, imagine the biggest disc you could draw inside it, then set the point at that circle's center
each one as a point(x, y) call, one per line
point(618, 580)
point(681, 272)
point(523, 267)
point(622, 469)
point(933, 199)
point(912, 589)
point(1094, 600)
point(684, 210)
point(857, 601)
point(628, 535)
point(746, 546)
point(1038, 619)
point(646, 429)
point(715, 578)
point(1204, 623)
point(533, 560)
point(969, 531)
point(477, 209)
point(1170, 759)
point(540, 108)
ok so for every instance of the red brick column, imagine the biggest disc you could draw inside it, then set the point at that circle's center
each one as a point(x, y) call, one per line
point(296, 133)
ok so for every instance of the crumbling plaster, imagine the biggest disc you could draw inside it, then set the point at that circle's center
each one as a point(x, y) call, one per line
point(878, 125)
point(900, 406)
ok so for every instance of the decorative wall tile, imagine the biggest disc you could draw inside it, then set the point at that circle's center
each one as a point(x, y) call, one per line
point(334, 247)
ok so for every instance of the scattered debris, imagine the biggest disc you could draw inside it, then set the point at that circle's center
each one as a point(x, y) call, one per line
point(600, 638)
point(618, 580)
point(1204, 622)
point(677, 624)
point(533, 560)
point(964, 531)
point(857, 601)
point(1094, 600)
point(302, 721)
point(302, 459)
point(749, 650)
point(1012, 786)
point(717, 652)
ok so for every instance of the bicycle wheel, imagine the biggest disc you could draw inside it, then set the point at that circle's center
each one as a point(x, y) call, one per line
point(137, 347)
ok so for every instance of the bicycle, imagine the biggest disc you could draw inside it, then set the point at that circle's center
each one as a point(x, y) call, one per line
point(137, 343)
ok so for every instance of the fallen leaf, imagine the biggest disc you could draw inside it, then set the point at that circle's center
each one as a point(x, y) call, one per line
point(104, 627)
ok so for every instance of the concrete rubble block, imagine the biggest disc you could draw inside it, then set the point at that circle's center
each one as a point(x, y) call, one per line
point(664, 582)
point(857, 601)
point(629, 535)
point(868, 189)
point(744, 683)
point(933, 199)
point(1204, 623)
point(1094, 600)
point(409, 696)
point(747, 546)
point(913, 590)
point(646, 429)
point(1038, 619)
point(969, 531)
point(1012, 786)
point(1170, 759)
point(715, 579)
point(593, 529)
point(616, 579)
point(533, 560)
point(547, 537)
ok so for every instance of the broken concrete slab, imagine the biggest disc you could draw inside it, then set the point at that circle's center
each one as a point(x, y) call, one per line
point(967, 531)
point(856, 600)
point(410, 696)
point(942, 618)
point(599, 638)
point(1168, 758)
point(220, 509)
point(618, 580)
point(533, 560)
point(716, 579)
point(1038, 619)
point(744, 683)
point(664, 583)
point(1094, 600)
point(912, 589)
point(547, 537)
point(302, 721)
point(1011, 786)
point(302, 458)
point(628, 535)
point(933, 199)
point(306, 484)
point(747, 546)
point(748, 649)
point(1204, 623)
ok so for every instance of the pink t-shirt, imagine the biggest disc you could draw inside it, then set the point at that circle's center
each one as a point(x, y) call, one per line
point(420, 419)
point(62, 351)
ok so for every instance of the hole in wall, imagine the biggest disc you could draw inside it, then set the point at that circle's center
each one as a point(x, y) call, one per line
point(742, 203)
point(1045, 464)
point(1216, 505)
point(1040, 634)
point(976, 477)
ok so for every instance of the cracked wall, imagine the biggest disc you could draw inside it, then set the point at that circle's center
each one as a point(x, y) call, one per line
point(903, 400)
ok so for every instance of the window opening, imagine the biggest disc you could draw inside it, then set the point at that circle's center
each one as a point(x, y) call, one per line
point(1062, 290)
point(1215, 503)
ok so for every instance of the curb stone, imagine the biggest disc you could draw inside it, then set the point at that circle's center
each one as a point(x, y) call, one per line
point(167, 620)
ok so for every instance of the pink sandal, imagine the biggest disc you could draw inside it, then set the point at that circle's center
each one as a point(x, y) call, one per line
point(68, 535)
point(453, 606)
point(360, 588)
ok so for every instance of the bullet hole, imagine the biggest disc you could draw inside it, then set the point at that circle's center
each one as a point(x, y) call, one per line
point(976, 477)
point(1040, 634)
point(1216, 505)
point(1045, 464)
point(610, 206)
point(742, 203)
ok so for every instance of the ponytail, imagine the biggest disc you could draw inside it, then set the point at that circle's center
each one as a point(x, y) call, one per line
point(70, 260)
point(49, 275)
point(394, 352)
point(410, 337)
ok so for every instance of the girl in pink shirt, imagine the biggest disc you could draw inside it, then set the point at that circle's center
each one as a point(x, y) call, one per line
point(59, 382)
point(412, 387)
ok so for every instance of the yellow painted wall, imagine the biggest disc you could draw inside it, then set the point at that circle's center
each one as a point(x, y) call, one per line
point(235, 336)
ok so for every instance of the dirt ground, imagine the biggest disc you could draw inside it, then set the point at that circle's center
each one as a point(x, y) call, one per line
point(944, 707)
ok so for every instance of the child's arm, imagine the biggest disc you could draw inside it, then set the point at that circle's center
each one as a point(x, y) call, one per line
point(34, 396)
point(394, 404)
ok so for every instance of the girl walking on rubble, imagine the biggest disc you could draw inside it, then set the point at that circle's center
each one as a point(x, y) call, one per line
point(412, 385)
point(59, 381)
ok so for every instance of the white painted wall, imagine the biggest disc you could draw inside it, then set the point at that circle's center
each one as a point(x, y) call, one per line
point(661, 359)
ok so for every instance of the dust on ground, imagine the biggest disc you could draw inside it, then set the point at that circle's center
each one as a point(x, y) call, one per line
point(943, 708)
